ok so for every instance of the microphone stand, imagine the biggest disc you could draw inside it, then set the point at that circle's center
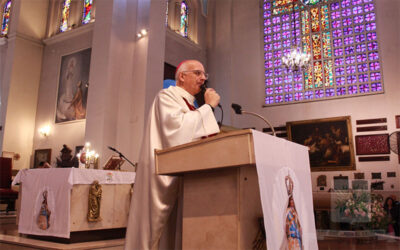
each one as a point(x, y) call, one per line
point(123, 156)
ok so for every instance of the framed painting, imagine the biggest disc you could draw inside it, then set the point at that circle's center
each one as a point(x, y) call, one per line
point(372, 144)
point(73, 86)
point(42, 155)
point(329, 140)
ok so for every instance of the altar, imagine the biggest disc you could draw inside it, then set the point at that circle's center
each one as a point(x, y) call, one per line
point(64, 193)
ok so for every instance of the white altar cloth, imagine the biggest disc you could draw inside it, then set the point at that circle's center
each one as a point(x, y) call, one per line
point(277, 158)
point(58, 183)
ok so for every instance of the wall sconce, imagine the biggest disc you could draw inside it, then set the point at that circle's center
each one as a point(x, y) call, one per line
point(88, 157)
point(142, 33)
point(45, 131)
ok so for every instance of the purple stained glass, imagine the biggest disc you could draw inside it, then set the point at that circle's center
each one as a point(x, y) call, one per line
point(288, 88)
point(355, 2)
point(267, 47)
point(373, 56)
point(364, 88)
point(336, 24)
point(374, 66)
point(268, 64)
point(286, 51)
point(278, 72)
point(360, 38)
point(298, 77)
point(369, 7)
point(278, 89)
point(350, 59)
point(285, 18)
point(287, 78)
point(352, 89)
point(375, 76)
point(267, 39)
point(376, 87)
point(346, 12)
point(298, 96)
point(345, 3)
point(351, 79)
point(340, 81)
point(267, 22)
point(360, 48)
point(285, 26)
point(351, 69)
point(347, 22)
point(288, 97)
point(348, 40)
point(358, 19)
point(335, 6)
point(357, 10)
point(277, 45)
point(278, 80)
point(367, 1)
point(339, 71)
point(276, 28)
point(269, 100)
point(362, 67)
point(286, 43)
point(268, 73)
point(348, 31)
point(268, 30)
point(370, 17)
point(279, 98)
point(308, 95)
point(363, 78)
point(339, 61)
point(298, 87)
point(277, 54)
point(277, 62)
point(370, 26)
point(285, 34)
point(268, 81)
point(296, 15)
point(267, 13)
point(340, 91)
point(359, 28)
point(371, 36)
point(276, 20)
point(329, 92)
point(361, 58)
point(267, 55)
point(319, 93)
point(337, 33)
point(269, 91)
point(349, 50)
point(267, 6)
point(372, 46)
point(277, 36)
point(338, 52)
point(335, 15)
point(337, 42)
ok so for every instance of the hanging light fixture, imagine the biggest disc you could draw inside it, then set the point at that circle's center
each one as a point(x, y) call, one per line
point(296, 59)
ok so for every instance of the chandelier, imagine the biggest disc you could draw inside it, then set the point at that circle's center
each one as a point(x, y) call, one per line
point(296, 59)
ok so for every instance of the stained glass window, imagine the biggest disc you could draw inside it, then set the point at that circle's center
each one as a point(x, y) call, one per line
point(184, 19)
point(65, 15)
point(341, 37)
point(87, 11)
point(6, 18)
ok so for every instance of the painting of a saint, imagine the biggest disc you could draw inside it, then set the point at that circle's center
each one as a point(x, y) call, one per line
point(73, 86)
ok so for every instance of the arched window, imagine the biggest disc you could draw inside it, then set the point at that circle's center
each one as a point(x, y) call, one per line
point(184, 20)
point(65, 15)
point(6, 18)
point(87, 11)
point(340, 36)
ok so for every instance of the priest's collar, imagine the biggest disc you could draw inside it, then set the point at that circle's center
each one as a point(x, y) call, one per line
point(185, 94)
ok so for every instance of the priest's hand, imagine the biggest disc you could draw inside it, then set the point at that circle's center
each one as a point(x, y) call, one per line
point(211, 97)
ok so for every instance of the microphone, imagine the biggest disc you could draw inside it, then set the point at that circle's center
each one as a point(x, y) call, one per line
point(113, 149)
point(123, 156)
point(239, 111)
point(201, 101)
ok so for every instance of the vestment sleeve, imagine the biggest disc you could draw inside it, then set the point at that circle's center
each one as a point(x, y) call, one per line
point(178, 124)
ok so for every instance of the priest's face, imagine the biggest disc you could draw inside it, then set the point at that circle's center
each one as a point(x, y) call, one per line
point(192, 77)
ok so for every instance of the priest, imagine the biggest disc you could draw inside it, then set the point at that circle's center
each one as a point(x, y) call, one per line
point(172, 121)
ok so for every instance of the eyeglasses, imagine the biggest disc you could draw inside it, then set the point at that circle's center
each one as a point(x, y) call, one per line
point(198, 73)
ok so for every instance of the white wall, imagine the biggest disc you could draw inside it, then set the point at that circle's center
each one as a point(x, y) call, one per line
point(235, 59)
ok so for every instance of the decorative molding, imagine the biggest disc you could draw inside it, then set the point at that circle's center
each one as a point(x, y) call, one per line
point(371, 128)
point(60, 37)
point(182, 40)
point(12, 37)
point(369, 121)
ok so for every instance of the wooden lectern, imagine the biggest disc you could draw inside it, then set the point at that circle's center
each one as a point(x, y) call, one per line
point(221, 201)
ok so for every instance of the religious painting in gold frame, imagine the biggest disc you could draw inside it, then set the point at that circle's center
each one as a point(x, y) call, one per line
point(329, 140)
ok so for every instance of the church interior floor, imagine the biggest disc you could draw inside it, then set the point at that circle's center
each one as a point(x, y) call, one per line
point(11, 240)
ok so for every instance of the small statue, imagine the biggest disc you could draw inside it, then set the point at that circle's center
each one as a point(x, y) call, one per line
point(66, 160)
point(94, 202)
point(43, 220)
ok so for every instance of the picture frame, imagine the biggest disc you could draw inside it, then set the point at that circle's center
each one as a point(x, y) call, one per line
point(372, 144)
point(73, 86)
point(329, 140)
point(42, 155)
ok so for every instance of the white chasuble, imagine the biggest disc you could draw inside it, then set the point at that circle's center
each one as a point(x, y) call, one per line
point(170, 123)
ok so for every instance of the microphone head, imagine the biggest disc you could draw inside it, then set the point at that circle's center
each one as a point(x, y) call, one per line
point(237, 108)
point(111, 148)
